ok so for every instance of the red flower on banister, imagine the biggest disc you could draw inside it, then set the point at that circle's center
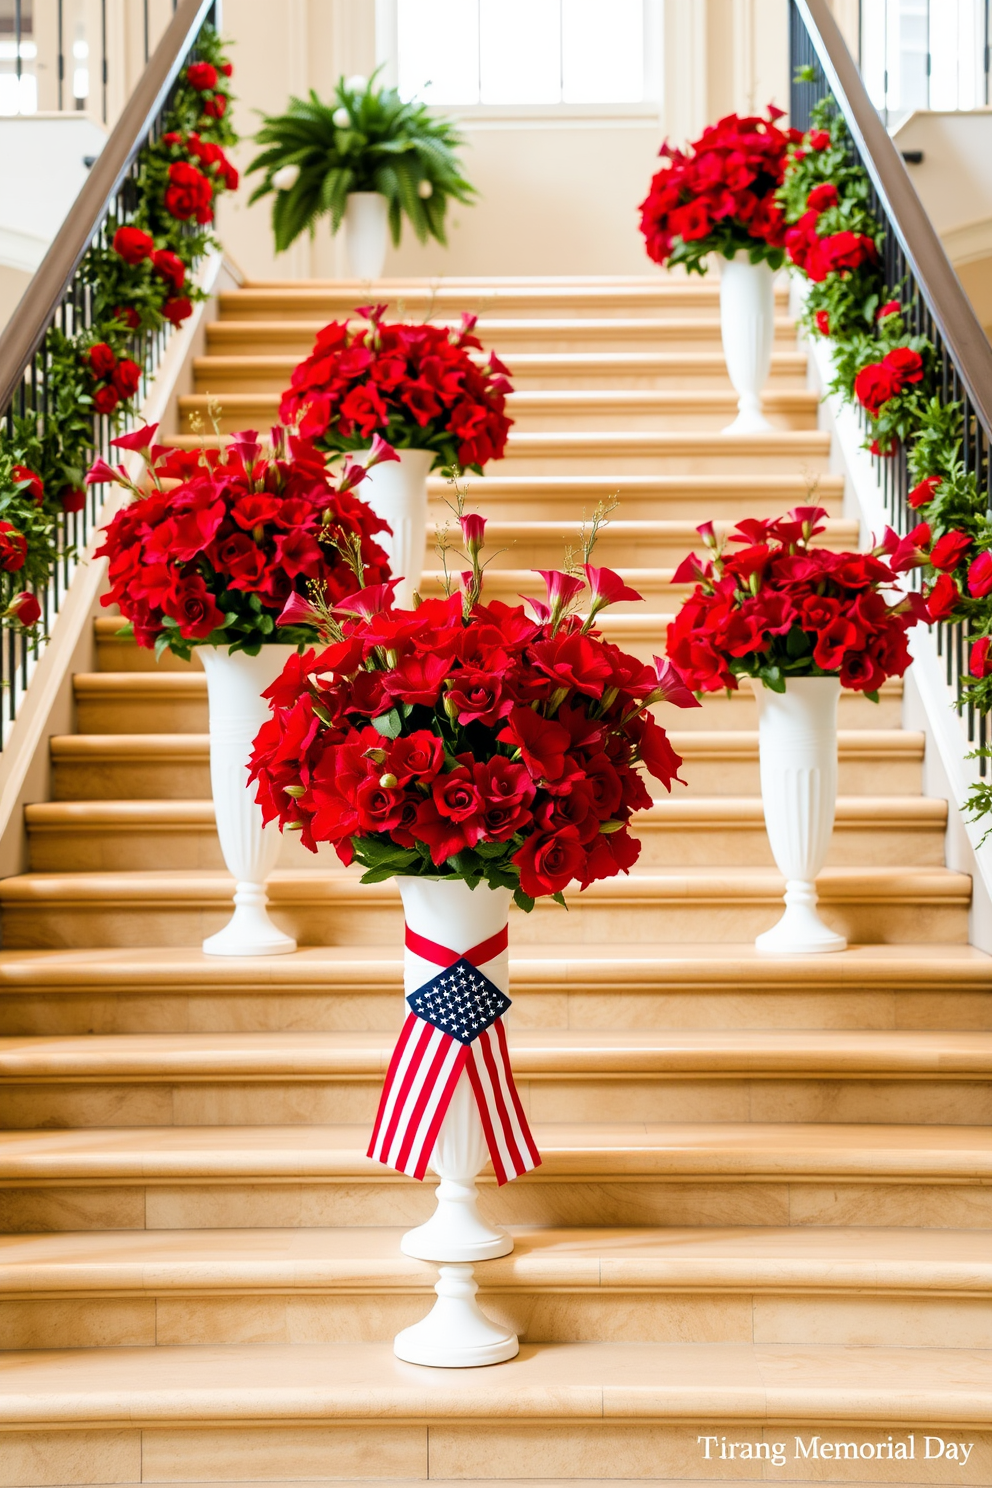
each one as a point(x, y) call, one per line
point(133, 245)
point(948, 551)
point(189, 193)
point(980, 661)
point(980, 576)
point(30, 481)
point(779, 607)
point(943, 598)
point(216, 557)
point(418, 386)
point(13, 547)
point(25, 609)
point(465, 739)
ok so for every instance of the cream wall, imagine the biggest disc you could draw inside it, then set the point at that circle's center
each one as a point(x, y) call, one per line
point(558, 191)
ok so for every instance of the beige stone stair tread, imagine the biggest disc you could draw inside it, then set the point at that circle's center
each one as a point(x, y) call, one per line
point(489, 328)
point(333, 297)
point(838, 1259)
point(581, 1382)
point(720, 811)
point(720, 743)
point(584, 487)
point(722, 1152)
point(703, 967)
point(320, 885)
point(555, 401)
point(800, 443)
point(686, 364)
point(234, 1056)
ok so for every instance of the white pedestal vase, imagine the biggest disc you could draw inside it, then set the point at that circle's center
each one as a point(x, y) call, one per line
point(366, 233)
point(797, 746)
point(747, 327)
point(396, 490)
point(456, 1333)
point(237, 711)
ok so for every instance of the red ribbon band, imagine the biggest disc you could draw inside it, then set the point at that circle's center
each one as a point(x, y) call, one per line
point(429, 950)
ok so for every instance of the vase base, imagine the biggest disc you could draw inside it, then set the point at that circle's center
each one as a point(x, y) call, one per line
point(810, 938)
point(429, 1242)
point(257, 938)
point(456, 1334)
point(748, 423)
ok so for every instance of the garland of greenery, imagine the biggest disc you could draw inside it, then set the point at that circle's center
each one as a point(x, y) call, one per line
point(891, 377)
point(139, 279)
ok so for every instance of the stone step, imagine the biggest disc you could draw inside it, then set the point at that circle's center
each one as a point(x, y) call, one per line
point(89, 836)
point(250, 1177)
point(718, 762)
point(271, 373)
point(294, 1079)
point(675, 498)
point(640, 453)
point(324, 906)
point(272, 1411)
point(610, 987)
point(202, 1288)
point(291, 336)
point(683, 410)
point(445, 303)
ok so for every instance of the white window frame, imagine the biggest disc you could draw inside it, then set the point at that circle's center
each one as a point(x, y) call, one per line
point(387, 50)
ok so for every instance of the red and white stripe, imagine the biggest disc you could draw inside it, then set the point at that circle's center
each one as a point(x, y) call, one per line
point(425, 1067)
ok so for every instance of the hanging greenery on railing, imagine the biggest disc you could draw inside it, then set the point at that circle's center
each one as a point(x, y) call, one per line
point(891, 376)
point(139, 279)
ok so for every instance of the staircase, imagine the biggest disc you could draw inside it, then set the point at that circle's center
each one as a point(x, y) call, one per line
point(767, 1185)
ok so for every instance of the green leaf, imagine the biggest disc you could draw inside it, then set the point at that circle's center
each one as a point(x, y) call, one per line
point(388, 724)
point(559, 898)
point(523, 901)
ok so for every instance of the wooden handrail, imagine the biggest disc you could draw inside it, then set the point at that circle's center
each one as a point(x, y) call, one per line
point(966, 342)
point(26, 328)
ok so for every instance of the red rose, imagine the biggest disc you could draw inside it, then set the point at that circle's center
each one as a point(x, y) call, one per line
point(23, 475)
point(13, 548)
point(226, 69)
point(948, 550)
point(836, 638)
point(477, 697)
point(923, 494)
point(133, 245)
point(905, 365)
point(541, 741)
point(874, 386)
point(216, 107)
point(980, 663)
point(25, 609)
point(942, 598)
point(980, 576)
point(818, 139)
point(548, 864)
point(444, 836)
point(691, 221)
point(176, 310)
point(73, 499)
point(891, 307)
point(130, 317)
point(861, 672)
point(817, 611)
point(822, 197)
point(192, 606)
point(455, 795)
point(202, 76)
point(101, 359)
point(188, 194)
point(170, 266)
point(105, 399)
point(823, 322)
point(127, 378)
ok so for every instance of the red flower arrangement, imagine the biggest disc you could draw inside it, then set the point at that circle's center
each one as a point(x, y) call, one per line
point(878, 382)
point(215, 558)
point(114, 378)
point(840, 252)
point(463, 738)
point(415, 385)
point(779, 608)
point(718, 196)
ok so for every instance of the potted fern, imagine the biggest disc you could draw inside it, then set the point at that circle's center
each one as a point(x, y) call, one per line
point(366, 159)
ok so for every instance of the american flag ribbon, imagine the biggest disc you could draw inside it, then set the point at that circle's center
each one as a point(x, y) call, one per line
point(455, 1024)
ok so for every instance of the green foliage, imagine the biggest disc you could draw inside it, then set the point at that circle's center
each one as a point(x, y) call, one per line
point(365, 139)
point(727, 238)
point(978, 803)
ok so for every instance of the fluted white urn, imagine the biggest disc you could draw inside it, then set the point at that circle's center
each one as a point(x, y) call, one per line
point(396, 490)
point(797, 747)
point(366, 233)
point(456, 1334)
point(235, 684)
point(747, 328)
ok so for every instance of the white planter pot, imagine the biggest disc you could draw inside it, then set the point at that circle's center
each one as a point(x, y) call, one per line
point(797, 745)
point(237, 711)
point(747, 326)
point(366, 233)
point(456, 1333)
point(397, 492)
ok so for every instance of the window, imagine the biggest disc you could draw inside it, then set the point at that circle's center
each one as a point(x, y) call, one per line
point(925, 54)
point(521, 51)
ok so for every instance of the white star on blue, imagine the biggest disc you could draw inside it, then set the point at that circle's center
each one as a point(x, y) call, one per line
point(460, 1001)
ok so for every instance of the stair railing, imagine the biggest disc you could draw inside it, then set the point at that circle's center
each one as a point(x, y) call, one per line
point(58, 295)
point(935, 305)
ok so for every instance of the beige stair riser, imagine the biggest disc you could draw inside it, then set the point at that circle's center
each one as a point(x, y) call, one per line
point(204, 1318)
point(449, 303)
point(87, 849)
point(490, 1452)
point(334, 1100)
point(64, 923)
point(165, 777)
point(684, 333)
point(254, 1203)
point(355, 1007)
point(703, 411)
point(619, 371)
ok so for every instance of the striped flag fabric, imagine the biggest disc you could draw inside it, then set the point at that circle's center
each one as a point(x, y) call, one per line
point(454, 1026)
